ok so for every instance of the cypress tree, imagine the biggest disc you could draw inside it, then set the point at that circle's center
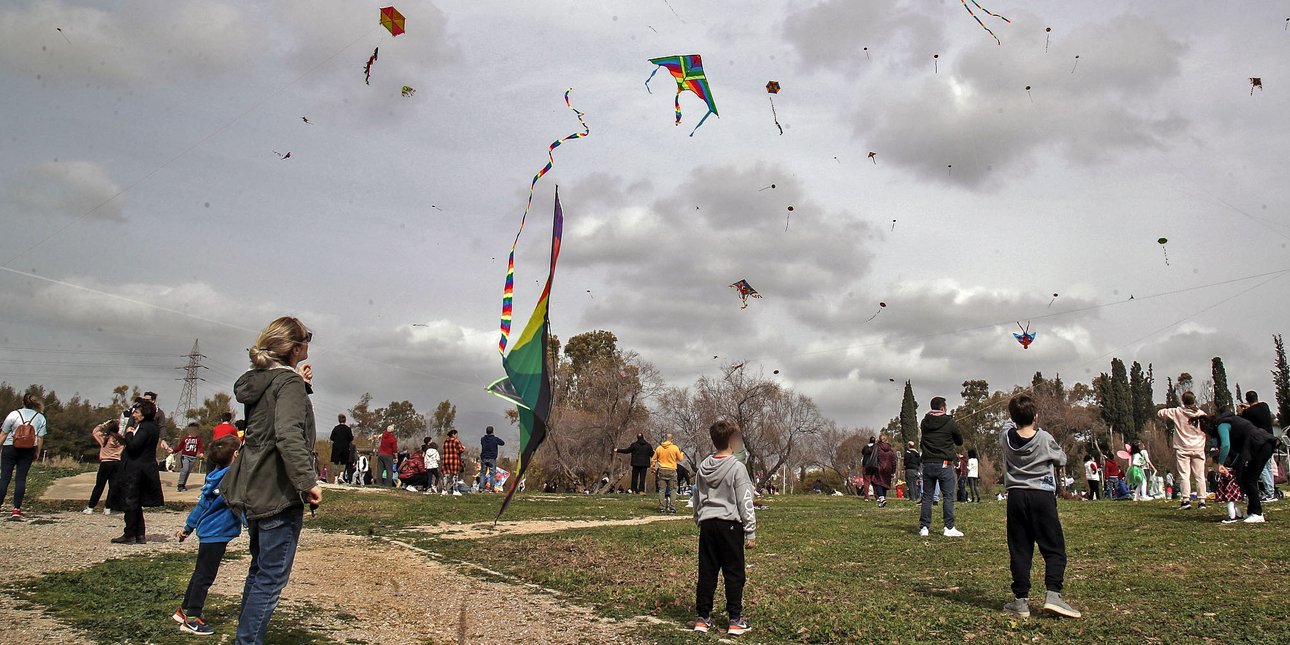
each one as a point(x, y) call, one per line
point(1171, 395)
point(1222, 393)
point(909, 415)
point(1121, 400)
point(1281, 378)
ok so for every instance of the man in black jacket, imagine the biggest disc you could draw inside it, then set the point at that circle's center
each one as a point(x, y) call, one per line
point(641, 453)
point(1258, 413)
point(913, 465)
point(940, 437)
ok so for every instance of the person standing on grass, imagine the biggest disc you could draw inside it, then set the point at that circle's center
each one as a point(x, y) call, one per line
point(1139, 463)
point(666, 458)
point(885, 469)
point(913, 466)
point(107, 436)
point(723, 509)
point(274, 475)
point(216, 526)
point(973, 476)
point(22, 437)
point(385, 454)
point(1258, 413)
point(1243, 450)
point(961, 471)
point(488, 458)
point(940, 436)
point(641, 452)
point(1189, 449)
point(342, 437)
point(431, 459)
point(1093, 477)
point(1030, 458)
point(452, 451)
point(138, 484)
point(188, 448)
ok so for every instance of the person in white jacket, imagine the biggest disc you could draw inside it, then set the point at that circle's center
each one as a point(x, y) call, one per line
point(432, 468)
point(1189, 449)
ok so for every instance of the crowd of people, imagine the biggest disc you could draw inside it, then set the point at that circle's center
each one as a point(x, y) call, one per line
point(429, 469)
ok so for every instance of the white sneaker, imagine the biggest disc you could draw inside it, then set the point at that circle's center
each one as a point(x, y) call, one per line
point(412, 489)
point(1254, 519)
point(952, 532)
point(922, 532)
point(107, 511)
point(88, 511)
point(456, 493)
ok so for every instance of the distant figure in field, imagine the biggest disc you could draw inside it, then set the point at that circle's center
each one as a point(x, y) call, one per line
point(188, 449)
point(1243, 450)
point(431, 459)
point(973, 476)
point(108, 437)
point(641, 452)
point(137, 484)
point(385, 454)
point(225, 428)
point(488, 445)
point(940, 436)
point(1093, 477)
point(961, 471)
point(913, 469)
point(666, 458)
point(342, 437)
point(1189, 449)
point(1258, 413)
point(723, 509)
point(884, 460)
point(23, 437)
point(412, 472)
point(452, 450)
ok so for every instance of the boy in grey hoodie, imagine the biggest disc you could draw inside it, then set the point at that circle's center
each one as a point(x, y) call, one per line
point(723, 509)
point(1030, 456)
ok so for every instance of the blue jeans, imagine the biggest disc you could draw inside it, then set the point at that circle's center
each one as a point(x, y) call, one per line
point(273, 550)
point(487, 472)
point(1266, 479)
point(945, 476)
point(186, 466)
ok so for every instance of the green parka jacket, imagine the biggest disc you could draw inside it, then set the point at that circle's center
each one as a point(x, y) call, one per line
point(276, 464)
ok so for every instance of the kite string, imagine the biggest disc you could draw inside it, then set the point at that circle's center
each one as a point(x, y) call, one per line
point(508, 291)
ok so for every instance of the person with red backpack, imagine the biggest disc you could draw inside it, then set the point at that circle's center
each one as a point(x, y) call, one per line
point(22, 436)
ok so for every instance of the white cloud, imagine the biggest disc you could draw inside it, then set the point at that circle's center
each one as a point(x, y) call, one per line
point(67, 188)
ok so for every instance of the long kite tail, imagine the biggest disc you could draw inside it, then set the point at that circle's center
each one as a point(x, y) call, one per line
point(508, 291)
point(978, 20)
point(774, 116)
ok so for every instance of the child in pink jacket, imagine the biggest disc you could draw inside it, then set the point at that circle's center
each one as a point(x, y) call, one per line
point(1189, 449)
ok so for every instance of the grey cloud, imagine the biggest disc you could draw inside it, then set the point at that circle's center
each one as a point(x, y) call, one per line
point(67, 188)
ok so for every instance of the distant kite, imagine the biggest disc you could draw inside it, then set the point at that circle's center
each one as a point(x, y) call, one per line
point(282, 156)
point(393, 20)
point(873, 156)
point(987, 12)
point(881, 306)
point(1048, 34)
point(1050, 302)
point(367, 69)
point(1255, 82)
point(306, 120)
point(1162, 242)
point(772, 88)
point(746, 291)
point(408, 90)
point(687, 70)
point(1026, 337)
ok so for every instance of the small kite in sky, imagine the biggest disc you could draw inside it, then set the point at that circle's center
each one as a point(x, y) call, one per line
point(60, 32)
point(893, 226)
point(772, 88)
point(408, 90)
point(367, 69)
point(766, 188)
point(746, 291)
point(788, 217)
point(1050, 302)
point(1032, 97)
point(935, 63)
point(1026, 337)
point(282, 156)
point(866, 54)
point(988, 13)
point(393, 20)
point(306, 120)
point(873, 156)
point(1162, 242)
point(881, 306)
point(1076, 64)
point(1048, 34)
point(1255, 82)
point(688, 72)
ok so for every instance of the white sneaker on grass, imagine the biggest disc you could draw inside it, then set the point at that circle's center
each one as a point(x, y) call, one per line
point(922, 532)
point(88, 511)
point(411, 489)
point(952, 532)
point(1254, 519)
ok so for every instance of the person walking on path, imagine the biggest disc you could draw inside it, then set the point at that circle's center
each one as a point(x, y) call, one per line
point(940, 436)
point(342, 437)
point(22, 437)
point(385, 455)
point(108, 437)
point(1189, 449)
point(275, 474)
point(188, 448)
point(723, 509)
point(452, 450)
point(641, 452)
point(1030, 458)
point(884, 460)
point(1243, 449)
point(666, 458)
point(138, 484)
point(913, 468)
point(1258, 413)
point(488, 459)
point(216, 526)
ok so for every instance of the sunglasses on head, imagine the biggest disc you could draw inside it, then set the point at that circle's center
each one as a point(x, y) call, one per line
point(309, 337)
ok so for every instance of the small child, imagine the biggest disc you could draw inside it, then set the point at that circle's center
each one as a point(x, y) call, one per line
point(1227, 490)
point(723, 509)
point(216, 526)
point(1029, 456)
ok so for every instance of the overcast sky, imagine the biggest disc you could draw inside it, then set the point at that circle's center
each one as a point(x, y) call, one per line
point(393, 211)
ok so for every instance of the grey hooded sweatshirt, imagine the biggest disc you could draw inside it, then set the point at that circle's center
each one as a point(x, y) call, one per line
point(723, 491)
point(1030, 465)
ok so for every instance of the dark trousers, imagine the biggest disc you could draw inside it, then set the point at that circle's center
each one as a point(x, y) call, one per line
point(1032, 519)
point(419, 479)
point(19, 458)
point(973, 492)
point(880, 491)
point(134, 525)
point(721, 548)
point(107, 469)
point(209, 555)
point(1247, 477)
point(638, 478)
point(1094, 488)
point(963, 493)
point(937, 472)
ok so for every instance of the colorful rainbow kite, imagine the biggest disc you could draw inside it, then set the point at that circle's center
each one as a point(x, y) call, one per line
point(688, 72)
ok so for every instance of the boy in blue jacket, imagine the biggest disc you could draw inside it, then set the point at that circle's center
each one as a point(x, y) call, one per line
point(216, 526)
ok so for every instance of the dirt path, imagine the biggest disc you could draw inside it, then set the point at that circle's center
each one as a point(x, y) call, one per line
point(530, 527)
point(389, 593)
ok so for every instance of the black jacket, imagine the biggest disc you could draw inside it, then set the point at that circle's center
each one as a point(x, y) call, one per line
point(940, 436)
point(1260, 415)
point(912, 459)
point(341, 438)
point(641, 453)
point(137, 484)
point(1243, 439)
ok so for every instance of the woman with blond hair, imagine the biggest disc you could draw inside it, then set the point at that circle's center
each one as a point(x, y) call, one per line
point(275, 473)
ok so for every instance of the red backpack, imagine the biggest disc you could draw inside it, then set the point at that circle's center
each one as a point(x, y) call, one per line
point(24, 436)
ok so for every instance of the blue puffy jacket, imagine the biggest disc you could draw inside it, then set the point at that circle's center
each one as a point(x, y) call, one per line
point(212, 518)
point(488, 446)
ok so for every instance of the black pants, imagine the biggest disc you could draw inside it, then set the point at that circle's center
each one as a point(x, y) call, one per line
point(107, 470)
point(638, 478)
point(880, 491)
point(963, 492)
point(21, 459)
point(1032, 519)
point(1094, 488)
point(973, 491)
point(1247, 477)
point(419, 479)
point(721, 547)
point(209, 555)
point(134, 525)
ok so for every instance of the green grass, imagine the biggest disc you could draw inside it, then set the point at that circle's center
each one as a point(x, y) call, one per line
point(835, 570)
point(131, 600)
